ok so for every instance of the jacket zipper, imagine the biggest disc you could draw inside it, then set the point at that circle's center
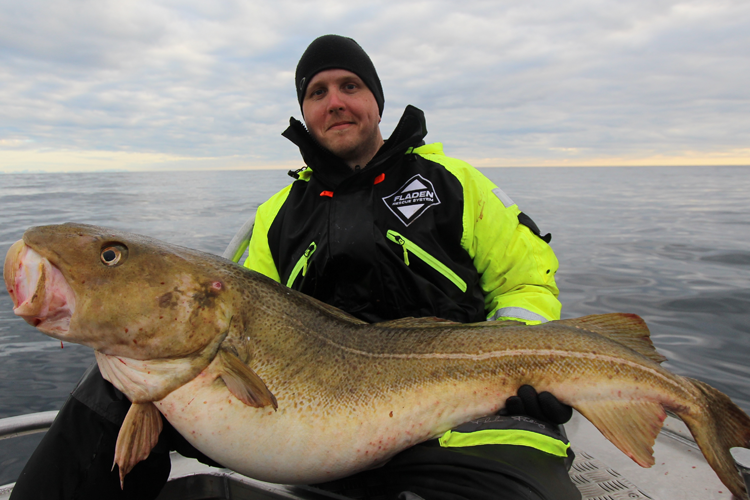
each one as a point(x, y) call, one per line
point(301, 264)
point(409, 246)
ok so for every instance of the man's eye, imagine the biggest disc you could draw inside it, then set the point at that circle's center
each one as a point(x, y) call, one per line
point(350, 86)
point(317, 93)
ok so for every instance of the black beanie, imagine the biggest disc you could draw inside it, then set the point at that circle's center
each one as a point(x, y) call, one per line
point(337, 52)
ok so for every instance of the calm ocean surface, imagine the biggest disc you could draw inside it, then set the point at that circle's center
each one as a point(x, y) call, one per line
point(671, 244)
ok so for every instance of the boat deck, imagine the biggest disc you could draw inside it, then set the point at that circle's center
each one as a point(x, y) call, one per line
point(602, 472)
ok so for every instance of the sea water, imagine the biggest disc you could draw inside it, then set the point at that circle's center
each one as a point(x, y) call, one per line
point(671, 244)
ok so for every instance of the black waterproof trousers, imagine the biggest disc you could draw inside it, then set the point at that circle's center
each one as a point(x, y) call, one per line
point(490, 472)
point(74, 459)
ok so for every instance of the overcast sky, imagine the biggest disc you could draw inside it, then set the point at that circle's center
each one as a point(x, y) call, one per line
point(185, 84)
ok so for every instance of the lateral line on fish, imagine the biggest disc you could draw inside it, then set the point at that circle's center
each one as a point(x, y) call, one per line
point(519, 352)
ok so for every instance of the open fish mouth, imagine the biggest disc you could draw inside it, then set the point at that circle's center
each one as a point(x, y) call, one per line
point(40, 293)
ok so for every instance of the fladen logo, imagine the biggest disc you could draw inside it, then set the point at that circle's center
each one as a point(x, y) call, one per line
point(412, 199)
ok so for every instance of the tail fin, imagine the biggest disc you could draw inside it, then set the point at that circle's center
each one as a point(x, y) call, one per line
point(717, 426)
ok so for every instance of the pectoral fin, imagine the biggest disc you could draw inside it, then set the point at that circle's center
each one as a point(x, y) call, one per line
point(244, 383)
point(138, 436)
point(632, 426)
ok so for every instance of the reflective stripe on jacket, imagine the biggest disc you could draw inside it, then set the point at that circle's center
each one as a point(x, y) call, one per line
point(506, 430)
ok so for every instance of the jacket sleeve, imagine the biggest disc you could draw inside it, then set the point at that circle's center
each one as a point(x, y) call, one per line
point(516, 266)
point(259, 257)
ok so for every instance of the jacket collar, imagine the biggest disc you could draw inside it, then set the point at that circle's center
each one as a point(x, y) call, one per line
point(332, 170)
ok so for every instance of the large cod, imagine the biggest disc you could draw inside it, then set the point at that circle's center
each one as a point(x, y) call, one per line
point(283, 388)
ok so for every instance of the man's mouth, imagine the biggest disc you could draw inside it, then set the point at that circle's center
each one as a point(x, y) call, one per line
point(340, 125)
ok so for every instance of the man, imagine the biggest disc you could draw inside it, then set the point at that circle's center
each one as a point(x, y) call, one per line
point(391, 229)
point(450, 247)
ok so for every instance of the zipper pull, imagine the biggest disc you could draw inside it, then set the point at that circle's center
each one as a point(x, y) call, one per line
point(294, 174)
point(402, 242)
point(308, 253)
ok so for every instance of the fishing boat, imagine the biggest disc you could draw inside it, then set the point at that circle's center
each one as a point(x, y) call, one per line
point(600, 471)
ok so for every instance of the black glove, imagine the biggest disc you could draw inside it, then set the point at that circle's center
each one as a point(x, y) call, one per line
point(543, 406)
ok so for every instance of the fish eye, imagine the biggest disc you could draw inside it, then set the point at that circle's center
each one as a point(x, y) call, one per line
point(113, 255)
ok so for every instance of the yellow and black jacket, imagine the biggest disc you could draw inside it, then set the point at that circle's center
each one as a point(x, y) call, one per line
point(414, 233)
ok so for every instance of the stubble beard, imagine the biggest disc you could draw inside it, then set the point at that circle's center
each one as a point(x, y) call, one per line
point(361, 151)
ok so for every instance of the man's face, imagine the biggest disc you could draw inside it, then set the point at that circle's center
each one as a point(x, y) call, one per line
point(342, 115)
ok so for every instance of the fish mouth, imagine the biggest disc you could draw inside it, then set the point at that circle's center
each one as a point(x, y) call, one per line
point(41, 295)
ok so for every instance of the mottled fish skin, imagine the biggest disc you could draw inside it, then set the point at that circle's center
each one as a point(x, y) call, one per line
point(280, 387)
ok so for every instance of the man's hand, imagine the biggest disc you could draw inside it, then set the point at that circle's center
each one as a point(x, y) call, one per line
point(543, 406)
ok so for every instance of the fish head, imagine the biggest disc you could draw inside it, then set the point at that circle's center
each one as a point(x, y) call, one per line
point(120, 293)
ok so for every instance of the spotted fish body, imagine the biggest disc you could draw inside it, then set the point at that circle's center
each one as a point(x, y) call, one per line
point(280, 387)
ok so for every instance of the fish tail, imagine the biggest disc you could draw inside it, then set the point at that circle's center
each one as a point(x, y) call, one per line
point(717, 426)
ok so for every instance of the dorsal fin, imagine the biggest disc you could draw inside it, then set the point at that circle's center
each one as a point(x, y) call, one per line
point(628, 329)
point(410, 322)
point(434, 321)
point(501, 322)
point(334, 311)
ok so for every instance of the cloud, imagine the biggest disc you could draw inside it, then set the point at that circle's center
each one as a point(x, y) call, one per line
point(514, 81)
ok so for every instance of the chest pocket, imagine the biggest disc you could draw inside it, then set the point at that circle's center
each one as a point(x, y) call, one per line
point(409, 246)
point(301, 265)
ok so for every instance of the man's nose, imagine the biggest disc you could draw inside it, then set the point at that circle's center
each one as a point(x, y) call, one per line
point(335, 103)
